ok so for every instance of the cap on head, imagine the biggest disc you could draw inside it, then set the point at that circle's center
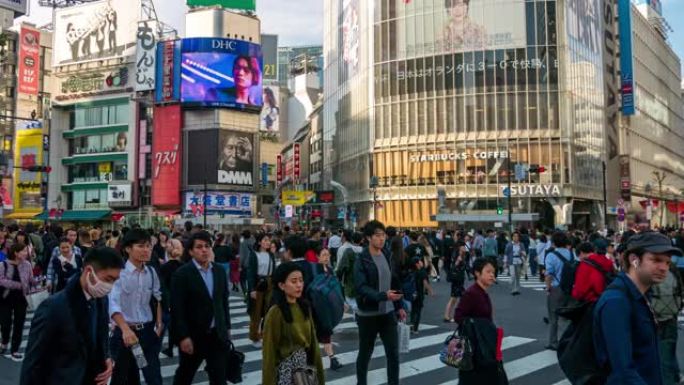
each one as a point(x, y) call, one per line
point(652, 242)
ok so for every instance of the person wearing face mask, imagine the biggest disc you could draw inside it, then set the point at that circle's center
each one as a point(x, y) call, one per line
point(135, 308)
point(68, 337)
point(16, 281)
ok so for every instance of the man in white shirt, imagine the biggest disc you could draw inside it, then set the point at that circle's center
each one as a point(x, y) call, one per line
point(334, 244)
point(137, 322)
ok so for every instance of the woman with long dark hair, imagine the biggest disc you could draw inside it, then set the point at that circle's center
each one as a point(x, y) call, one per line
point(289, 335)
point(260, 269)
point(16, 281)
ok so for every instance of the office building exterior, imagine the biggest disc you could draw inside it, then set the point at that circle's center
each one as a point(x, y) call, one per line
point(442, 101)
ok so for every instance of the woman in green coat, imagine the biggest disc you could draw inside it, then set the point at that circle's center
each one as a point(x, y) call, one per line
point(289, 333)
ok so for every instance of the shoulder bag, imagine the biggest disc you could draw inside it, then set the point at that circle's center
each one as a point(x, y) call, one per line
point(295, 369)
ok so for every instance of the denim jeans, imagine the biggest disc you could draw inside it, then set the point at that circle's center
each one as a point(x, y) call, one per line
point(126, 370)
point(667, 336)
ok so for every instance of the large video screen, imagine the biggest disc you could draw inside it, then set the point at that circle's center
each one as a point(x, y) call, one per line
point(222, 73)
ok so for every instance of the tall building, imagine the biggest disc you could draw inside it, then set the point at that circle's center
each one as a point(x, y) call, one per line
point(652, 139)
point(456, 98)
point(207, 120)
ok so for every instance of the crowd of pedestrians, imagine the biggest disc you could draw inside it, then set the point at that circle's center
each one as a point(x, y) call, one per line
point(112, 296)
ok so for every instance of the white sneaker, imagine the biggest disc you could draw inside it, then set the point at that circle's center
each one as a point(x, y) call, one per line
point(257, 344)
point(16, 357)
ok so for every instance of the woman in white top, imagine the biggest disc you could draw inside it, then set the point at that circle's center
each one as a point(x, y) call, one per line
point(260, 269)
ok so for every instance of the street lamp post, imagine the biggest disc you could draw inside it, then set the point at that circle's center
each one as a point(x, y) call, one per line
point(659, 178)
point(374, 186)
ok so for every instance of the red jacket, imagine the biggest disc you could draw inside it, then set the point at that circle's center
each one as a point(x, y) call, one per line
point(590, 282)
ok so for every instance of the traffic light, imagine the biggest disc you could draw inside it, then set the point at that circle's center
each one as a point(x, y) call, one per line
point(499, 210)
point(37, 168)
point(537, 169)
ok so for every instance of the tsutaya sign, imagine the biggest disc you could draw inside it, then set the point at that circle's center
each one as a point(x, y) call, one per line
point(440, 157)
point(534, 190)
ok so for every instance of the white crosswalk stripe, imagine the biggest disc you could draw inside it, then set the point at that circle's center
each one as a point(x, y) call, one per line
point(522, 356)
point(532, 282)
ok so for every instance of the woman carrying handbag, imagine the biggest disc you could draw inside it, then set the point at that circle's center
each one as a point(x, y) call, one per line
point(474, 316)
point(291, 355)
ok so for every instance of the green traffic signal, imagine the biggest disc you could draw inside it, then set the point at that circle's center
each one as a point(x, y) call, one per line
point(499, 210)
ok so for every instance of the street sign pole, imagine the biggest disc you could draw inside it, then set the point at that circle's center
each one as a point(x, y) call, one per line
point(510, 198)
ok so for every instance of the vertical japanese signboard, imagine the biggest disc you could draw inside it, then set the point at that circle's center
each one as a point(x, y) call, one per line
point(166, 156)
point(29, 60)
point(626, 59)
point(297, 162)
point(168, 72)
point(145, 56)
point(279, 168)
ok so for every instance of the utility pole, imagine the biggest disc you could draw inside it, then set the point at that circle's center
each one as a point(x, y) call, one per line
point(510, 197)
point(660, 177)
point(204, 198)
point(605, 198)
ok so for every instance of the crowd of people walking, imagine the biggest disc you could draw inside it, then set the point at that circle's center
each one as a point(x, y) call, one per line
point(108, 298)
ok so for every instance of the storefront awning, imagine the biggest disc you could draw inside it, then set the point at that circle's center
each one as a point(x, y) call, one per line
point(77, 215)
point(17, 216)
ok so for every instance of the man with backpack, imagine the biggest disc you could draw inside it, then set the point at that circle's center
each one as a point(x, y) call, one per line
point(593, 273)
point(667, 303)
point(560, 275)
point(345, 268)
point(625, 328)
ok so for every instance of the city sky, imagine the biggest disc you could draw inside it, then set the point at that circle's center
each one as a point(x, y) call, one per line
point(279, 17)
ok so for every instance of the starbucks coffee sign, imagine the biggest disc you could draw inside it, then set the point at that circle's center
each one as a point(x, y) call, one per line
point(533, 190)
point(451, 156)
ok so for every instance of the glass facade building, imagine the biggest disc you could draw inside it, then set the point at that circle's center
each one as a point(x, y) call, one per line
point(454, 95)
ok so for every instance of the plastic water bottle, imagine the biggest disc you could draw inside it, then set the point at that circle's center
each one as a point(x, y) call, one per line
point(139, 355)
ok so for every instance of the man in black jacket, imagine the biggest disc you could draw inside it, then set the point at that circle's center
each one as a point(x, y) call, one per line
point(69, 333)
point(379, 300)
point(200, 314)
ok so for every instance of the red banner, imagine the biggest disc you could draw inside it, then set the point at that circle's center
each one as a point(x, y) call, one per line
point(279, 168)
point(166, 156)
point(297, 162)
point(29, 61)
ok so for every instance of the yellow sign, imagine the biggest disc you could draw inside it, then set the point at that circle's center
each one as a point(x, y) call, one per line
point(28, 151)
point(104, 167)
point(296, 198)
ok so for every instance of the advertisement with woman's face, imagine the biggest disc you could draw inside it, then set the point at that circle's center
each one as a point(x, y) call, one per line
point(221, 73)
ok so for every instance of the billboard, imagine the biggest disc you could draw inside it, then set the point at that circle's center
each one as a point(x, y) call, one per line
point(167, 78)
point(269, 47)
point(94, 31)
point(28, 151)
point(626, 59)
point(217, 72)
point(219, 202)
point(120, 194)
point(29, 60)
point(18, 6)
point(247, 5)
point(465, 26)
point(166, 156)
point(270, 113)
point(146, 55)
point(236, 158)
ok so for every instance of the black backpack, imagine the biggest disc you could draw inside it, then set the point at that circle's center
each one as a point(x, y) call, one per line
point(567, 278)
point(576, 354)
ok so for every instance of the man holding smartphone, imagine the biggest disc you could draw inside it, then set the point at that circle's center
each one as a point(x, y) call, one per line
point(378, 297)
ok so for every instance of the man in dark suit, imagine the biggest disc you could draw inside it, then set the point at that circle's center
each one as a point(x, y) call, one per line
point(200, 315)
point(69, 333)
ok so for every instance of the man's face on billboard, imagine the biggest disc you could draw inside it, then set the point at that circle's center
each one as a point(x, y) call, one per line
point(242, 74)
point(230, 152)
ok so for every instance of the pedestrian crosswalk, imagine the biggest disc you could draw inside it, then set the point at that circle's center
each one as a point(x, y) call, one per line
point(524, 358)
point(532, 281)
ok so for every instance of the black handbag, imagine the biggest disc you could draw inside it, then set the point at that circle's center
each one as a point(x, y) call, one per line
point(234, 362)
